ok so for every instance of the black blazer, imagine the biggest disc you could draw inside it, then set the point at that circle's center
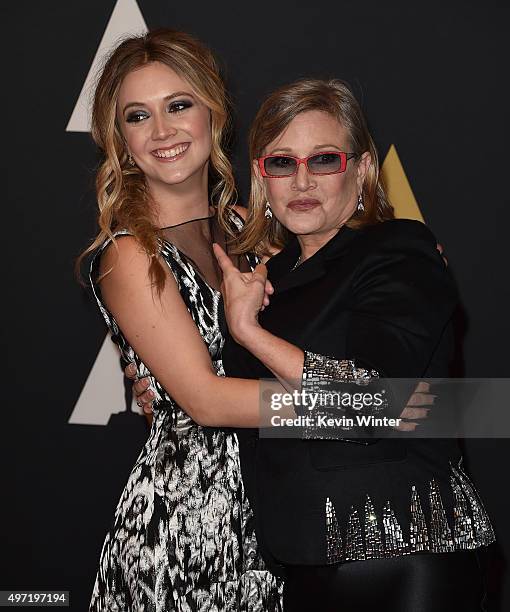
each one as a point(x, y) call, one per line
point(380, 296)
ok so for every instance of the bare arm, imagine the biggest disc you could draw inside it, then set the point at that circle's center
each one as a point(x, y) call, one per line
point(243, 296)
point(161, 330)
point(242, 304)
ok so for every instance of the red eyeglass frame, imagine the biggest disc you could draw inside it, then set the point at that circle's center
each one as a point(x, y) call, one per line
point(344, 158)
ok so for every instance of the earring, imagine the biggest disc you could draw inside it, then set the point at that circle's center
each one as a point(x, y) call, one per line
point(361, 205)
point(269, 213)
point(131, 161)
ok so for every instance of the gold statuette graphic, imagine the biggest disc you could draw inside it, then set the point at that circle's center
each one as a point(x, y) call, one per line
point(398, 189)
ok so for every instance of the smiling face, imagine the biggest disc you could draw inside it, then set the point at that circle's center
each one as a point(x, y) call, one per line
point(166, 127)
point(307, 204)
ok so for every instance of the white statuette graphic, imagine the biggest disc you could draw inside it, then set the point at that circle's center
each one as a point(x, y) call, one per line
point(103, 393)
point(125, 19)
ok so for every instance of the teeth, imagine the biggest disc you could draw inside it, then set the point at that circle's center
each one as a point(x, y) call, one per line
point(171, 152)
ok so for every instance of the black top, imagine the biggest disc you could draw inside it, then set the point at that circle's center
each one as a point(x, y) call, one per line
point(382, 297)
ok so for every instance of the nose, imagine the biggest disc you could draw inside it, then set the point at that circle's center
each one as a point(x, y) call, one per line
point(303, 180)
point(162, 126)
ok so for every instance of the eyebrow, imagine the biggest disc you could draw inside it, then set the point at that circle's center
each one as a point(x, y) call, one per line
point(166, 99)
point(316, 148)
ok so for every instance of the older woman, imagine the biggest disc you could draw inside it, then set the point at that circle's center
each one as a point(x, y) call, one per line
point(393, 524)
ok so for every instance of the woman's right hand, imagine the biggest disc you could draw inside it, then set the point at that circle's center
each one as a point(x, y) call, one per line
point(144, 395)
point(245, 294)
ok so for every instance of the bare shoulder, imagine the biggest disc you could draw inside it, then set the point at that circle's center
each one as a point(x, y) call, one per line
point(123, 254)
point(127, 284)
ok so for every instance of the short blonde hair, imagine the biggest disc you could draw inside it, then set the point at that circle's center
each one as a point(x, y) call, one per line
point(277, 111)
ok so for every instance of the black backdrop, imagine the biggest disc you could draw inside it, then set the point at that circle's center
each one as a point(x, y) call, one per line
point(432, 78)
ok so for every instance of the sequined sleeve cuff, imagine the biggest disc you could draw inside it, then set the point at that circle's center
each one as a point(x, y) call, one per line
point(319, 368)
point(336, 386)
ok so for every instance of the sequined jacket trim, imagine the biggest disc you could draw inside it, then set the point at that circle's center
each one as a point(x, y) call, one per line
point(373, 533)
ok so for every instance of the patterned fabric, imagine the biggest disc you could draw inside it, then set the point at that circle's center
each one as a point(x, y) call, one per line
point(183, 536)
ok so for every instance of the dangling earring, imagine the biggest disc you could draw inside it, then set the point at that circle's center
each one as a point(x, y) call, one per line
point(361, 205)
point(131, 161)
point(269, 213)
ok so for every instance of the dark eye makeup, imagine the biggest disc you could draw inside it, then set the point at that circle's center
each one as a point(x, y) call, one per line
point(136, 116)
point(175, 106)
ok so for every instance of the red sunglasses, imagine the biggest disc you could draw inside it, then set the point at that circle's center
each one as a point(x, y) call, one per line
point(280, 166)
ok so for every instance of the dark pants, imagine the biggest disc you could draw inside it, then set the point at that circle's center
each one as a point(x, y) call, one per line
point(424, 582)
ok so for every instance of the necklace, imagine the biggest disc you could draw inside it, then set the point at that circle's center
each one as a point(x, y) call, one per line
point(296, 264)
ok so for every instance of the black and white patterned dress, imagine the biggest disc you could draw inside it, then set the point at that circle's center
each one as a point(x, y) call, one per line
point(183, 536)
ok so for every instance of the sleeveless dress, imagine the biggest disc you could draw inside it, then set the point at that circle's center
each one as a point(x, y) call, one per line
point(183, 536)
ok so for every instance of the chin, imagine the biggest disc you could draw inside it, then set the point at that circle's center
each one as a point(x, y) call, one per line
point(177, 178)
point(171, 177)
point(302, 228)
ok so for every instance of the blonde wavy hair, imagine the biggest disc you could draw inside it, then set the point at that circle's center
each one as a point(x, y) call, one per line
point(122, 194)
point(277, 111)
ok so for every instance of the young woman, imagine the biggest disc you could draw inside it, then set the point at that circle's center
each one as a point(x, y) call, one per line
point(182, 537)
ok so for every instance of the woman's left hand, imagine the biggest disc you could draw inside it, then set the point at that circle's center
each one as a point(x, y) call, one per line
point(245, 294)
point(440, 248)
